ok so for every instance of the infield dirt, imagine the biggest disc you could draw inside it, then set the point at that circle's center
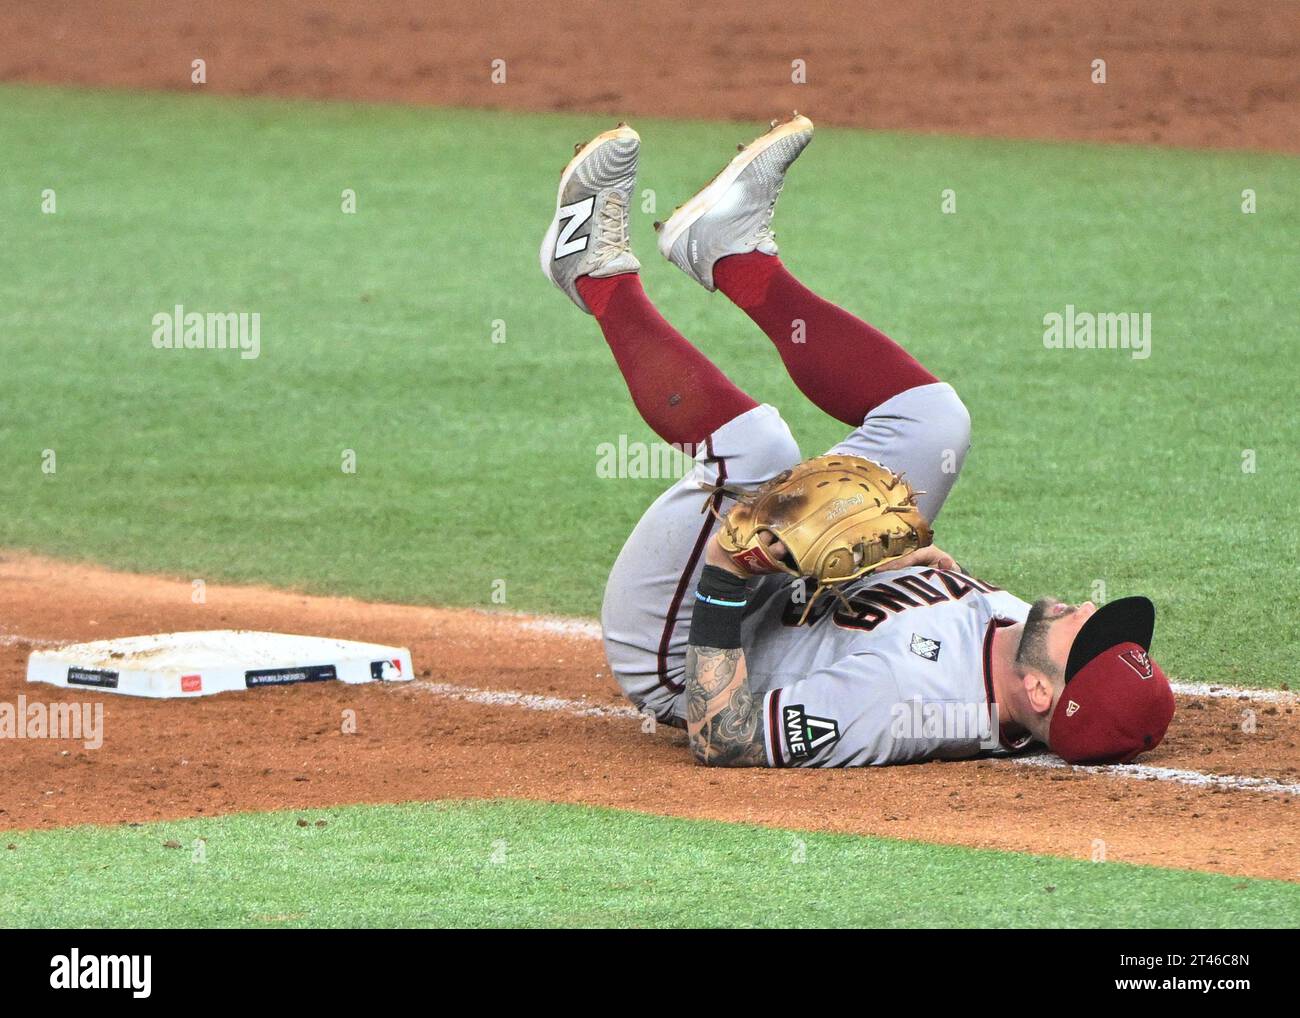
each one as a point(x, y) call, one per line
point(1181, 72)
point(286, 747)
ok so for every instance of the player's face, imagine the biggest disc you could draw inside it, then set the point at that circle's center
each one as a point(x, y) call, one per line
point(1064, 622)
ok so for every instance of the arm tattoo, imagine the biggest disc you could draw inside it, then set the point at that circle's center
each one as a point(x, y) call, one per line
point(722, 715)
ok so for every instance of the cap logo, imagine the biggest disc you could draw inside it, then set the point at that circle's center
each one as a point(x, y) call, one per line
point(1071, 709)
point(1138, 661)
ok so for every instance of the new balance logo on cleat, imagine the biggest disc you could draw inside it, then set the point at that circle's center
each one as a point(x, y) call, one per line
point(573, 216)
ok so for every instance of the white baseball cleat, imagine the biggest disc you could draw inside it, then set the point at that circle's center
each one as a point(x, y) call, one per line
point(732, 213)
point(589, 234)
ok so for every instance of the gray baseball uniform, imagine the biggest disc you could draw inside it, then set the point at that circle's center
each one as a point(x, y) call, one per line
point(894, 673)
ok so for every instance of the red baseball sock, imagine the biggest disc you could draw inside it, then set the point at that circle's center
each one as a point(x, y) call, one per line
point(841, 363)
point(679, 392)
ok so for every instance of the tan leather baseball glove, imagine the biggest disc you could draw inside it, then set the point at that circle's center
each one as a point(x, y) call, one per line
point(838, 517)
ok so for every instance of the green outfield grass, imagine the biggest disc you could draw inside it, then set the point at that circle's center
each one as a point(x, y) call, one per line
point(530, 864)
point(476, 461)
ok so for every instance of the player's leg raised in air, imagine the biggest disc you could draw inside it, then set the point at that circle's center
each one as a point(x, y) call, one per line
point(902, 416)
point(684, 398)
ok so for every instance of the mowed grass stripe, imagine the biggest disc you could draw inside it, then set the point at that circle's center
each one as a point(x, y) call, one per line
point(509, 863)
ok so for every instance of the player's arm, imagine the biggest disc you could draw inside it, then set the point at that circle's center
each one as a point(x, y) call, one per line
point(727, 722)
point(723, 717)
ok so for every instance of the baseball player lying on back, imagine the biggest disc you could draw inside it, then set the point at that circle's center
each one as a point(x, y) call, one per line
point(896, 654)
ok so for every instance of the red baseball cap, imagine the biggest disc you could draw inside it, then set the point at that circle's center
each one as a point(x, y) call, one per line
point(1117, 702)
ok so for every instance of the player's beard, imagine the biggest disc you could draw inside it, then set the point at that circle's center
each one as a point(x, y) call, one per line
point(1037, 620)
point(1032, 652)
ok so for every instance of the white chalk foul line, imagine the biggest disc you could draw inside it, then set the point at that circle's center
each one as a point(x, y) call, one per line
point(1144, 772)
point(1133, 772)
point(590, 629)
point(585, 628)
point(12, 640)
point(1233, 692)
point(527, 701)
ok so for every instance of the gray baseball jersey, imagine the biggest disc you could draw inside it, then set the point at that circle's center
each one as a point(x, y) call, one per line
point(897, 671)
point(897, 675)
